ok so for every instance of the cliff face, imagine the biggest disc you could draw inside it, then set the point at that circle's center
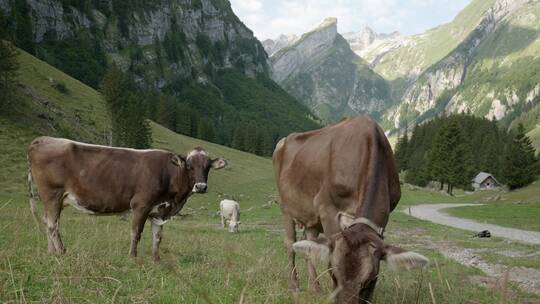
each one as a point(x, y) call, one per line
point(199, 36)
point(323, 72)
point(201, 66)
point(456, 83)
point(367, 42)
point(272, 46)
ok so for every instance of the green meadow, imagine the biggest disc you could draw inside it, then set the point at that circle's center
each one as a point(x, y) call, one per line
point(201, 262)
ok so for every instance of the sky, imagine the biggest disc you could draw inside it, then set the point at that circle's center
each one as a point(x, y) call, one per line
point(270, 18)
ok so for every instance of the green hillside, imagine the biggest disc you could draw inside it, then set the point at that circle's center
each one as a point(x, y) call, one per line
point(201, 263)
point(215, 77)
point(423, 50)
point(534, 134)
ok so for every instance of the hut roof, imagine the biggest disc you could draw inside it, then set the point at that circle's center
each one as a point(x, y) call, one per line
point(482, 176)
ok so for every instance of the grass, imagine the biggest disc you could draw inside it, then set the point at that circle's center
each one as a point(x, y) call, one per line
point(516, 209)
point(201, 263)
point(523, 216)
point(534, 134)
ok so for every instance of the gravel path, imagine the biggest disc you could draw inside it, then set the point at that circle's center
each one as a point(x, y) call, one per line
point(432, 213)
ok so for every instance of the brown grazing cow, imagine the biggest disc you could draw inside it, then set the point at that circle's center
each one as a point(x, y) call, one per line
point(95, 179)
point(341, 181)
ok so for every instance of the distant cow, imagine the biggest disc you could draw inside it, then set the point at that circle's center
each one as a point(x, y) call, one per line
point(95, 179)
point(230, 212)
point(340, 180)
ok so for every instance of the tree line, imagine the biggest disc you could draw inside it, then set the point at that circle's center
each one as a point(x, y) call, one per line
point(130, 107)
point(452, 149)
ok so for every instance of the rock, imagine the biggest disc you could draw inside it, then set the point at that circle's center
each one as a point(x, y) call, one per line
point(322, 71)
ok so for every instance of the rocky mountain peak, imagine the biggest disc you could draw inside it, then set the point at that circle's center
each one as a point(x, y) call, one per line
point(367, 39)
point(307, 48)
point(271, 46)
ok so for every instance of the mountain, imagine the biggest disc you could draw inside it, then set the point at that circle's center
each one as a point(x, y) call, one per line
point(271, 46)
point(366, 41)
point(197, 52)
point(322, 71)
point(493, 72)
point(414, 54)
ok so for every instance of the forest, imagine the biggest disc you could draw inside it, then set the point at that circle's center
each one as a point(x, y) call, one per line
point(451, 150)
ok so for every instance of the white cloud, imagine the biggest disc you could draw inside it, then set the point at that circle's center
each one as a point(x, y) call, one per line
point(248, 5)
point(270, 18)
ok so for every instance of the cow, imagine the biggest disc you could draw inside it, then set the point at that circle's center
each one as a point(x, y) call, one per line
point(153, 184)
point(229, 211)
point(342, 181)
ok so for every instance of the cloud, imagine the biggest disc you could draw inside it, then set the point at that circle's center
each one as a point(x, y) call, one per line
point(248, 5)
point(270, 18)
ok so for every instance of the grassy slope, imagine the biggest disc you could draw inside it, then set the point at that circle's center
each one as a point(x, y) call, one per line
point(430, 47)
point(534, 134)
point(518, 209)
point(506, 61)
point(201, 262)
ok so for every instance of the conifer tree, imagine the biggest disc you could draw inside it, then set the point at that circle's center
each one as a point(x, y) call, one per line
point(239, 138)
point(206, 130)
point(521, 165)
point(402, 152)
point(8, 72)
point(127, 110)
point(251, 141)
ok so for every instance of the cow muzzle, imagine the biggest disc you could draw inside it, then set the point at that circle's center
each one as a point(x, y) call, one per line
point(200, 188)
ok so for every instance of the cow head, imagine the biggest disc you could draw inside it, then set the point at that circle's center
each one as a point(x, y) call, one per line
point(198, 164)
point(354, 256)
point(233, 225)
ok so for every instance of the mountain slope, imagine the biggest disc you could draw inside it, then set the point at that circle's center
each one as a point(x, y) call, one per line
point(195, 51)
point(79, 112)
point(272, 46)
point(323, 72)
point(492, 73)
point(366, 41)
point(416, 53)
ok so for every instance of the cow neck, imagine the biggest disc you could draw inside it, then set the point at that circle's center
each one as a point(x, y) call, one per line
point(184, 189)
point(374, 200)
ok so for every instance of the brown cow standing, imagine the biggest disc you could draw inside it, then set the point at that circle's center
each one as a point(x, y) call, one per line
point(341, 180)
point(95, 179)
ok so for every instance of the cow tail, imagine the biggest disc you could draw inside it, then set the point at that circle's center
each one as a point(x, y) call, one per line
point(32, 197)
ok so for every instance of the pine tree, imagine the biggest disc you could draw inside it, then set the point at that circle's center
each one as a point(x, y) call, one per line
point(127, 110)
point(167, 112)
point(184, 120)
point(402, 152)
point(239, 138)
point(451, 156)
point(521, 165)
point(251, 138)
point(8, 72)
point(206, 130)
point(438, 167)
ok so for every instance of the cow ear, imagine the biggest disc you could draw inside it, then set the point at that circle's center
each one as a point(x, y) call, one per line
point(399, 258)
point(344, 220)
point(219, 163)
point(178, 160)
point(312, 250)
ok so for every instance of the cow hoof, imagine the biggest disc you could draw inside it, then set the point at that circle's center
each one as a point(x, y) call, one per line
point(157, 259)
point(315, 288)
point(294, 287)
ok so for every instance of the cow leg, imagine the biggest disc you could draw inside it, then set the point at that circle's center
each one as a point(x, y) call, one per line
point(313, 283)
point(156, 240)
point(222, 221)
point(137, 226)
point(330, 225)
point(290, 239)
point(53, 207)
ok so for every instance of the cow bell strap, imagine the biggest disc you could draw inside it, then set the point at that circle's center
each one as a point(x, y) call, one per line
point(368, 222)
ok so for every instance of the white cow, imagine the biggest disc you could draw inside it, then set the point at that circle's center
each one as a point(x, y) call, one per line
point(230, 211)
